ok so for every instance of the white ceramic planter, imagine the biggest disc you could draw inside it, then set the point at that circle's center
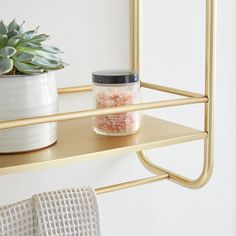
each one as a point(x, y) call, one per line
point(24, 96)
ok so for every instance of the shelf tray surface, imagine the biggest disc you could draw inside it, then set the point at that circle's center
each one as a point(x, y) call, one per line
point(76, 141)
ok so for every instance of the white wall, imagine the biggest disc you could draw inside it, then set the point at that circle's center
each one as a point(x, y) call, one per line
point(95, 35)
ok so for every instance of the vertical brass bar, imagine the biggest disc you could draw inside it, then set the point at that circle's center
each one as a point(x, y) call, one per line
point(209, 107)
point(136, 35)
point(210, 85)
point(209, 111)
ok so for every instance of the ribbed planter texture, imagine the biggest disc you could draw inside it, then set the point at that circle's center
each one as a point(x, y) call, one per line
point(24, 96)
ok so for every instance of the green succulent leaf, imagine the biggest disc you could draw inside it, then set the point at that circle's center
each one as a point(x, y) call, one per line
point(12, 42)
point(3, 28)
point(36, 39)
point(45, 63)
point(39, 38)
point(13, 26)
point(7, 52)
point(59, 67)
point(38, 49)
point(28, 68)
point(49, 56)
point(50, 49)
point(31, 33)
point(23, 57)
point(19, 36)
point(24, 49)
point(3, 40)
point(6, 65)
point(25, 52)
point(21, 28)
point(12, 33)
point(32, 46)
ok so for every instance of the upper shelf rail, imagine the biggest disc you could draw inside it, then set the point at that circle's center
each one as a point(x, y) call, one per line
point(180, 92)
point(175, 91)
point(192, 98)
point(97, 112)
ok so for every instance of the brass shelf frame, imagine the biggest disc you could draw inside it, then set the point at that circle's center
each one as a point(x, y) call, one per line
point(189, 98)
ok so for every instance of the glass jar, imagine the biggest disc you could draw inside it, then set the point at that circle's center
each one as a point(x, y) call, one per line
point(114, 89)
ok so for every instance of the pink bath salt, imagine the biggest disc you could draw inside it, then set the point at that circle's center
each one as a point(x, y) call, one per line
point(111, 98)
point(119, 122)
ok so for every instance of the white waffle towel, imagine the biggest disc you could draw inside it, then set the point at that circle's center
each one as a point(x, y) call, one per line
point(72, 212)
point(68, 213)
point(18, 219)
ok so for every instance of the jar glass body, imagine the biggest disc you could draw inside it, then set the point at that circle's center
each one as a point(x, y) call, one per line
point(115, 95)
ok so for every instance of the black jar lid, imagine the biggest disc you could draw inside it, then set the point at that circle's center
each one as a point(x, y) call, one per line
point(115, 77)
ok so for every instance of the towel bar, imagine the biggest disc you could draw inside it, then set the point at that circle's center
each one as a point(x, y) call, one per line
point(121, 186)
point(149, 138)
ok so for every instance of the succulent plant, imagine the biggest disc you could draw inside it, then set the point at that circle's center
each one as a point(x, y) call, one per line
point(25, 52)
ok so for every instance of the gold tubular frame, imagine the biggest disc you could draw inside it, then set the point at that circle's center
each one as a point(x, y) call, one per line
point(189, 98)
point(209, 111)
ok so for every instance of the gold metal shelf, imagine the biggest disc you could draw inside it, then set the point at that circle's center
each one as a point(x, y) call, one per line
point(77, 141)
